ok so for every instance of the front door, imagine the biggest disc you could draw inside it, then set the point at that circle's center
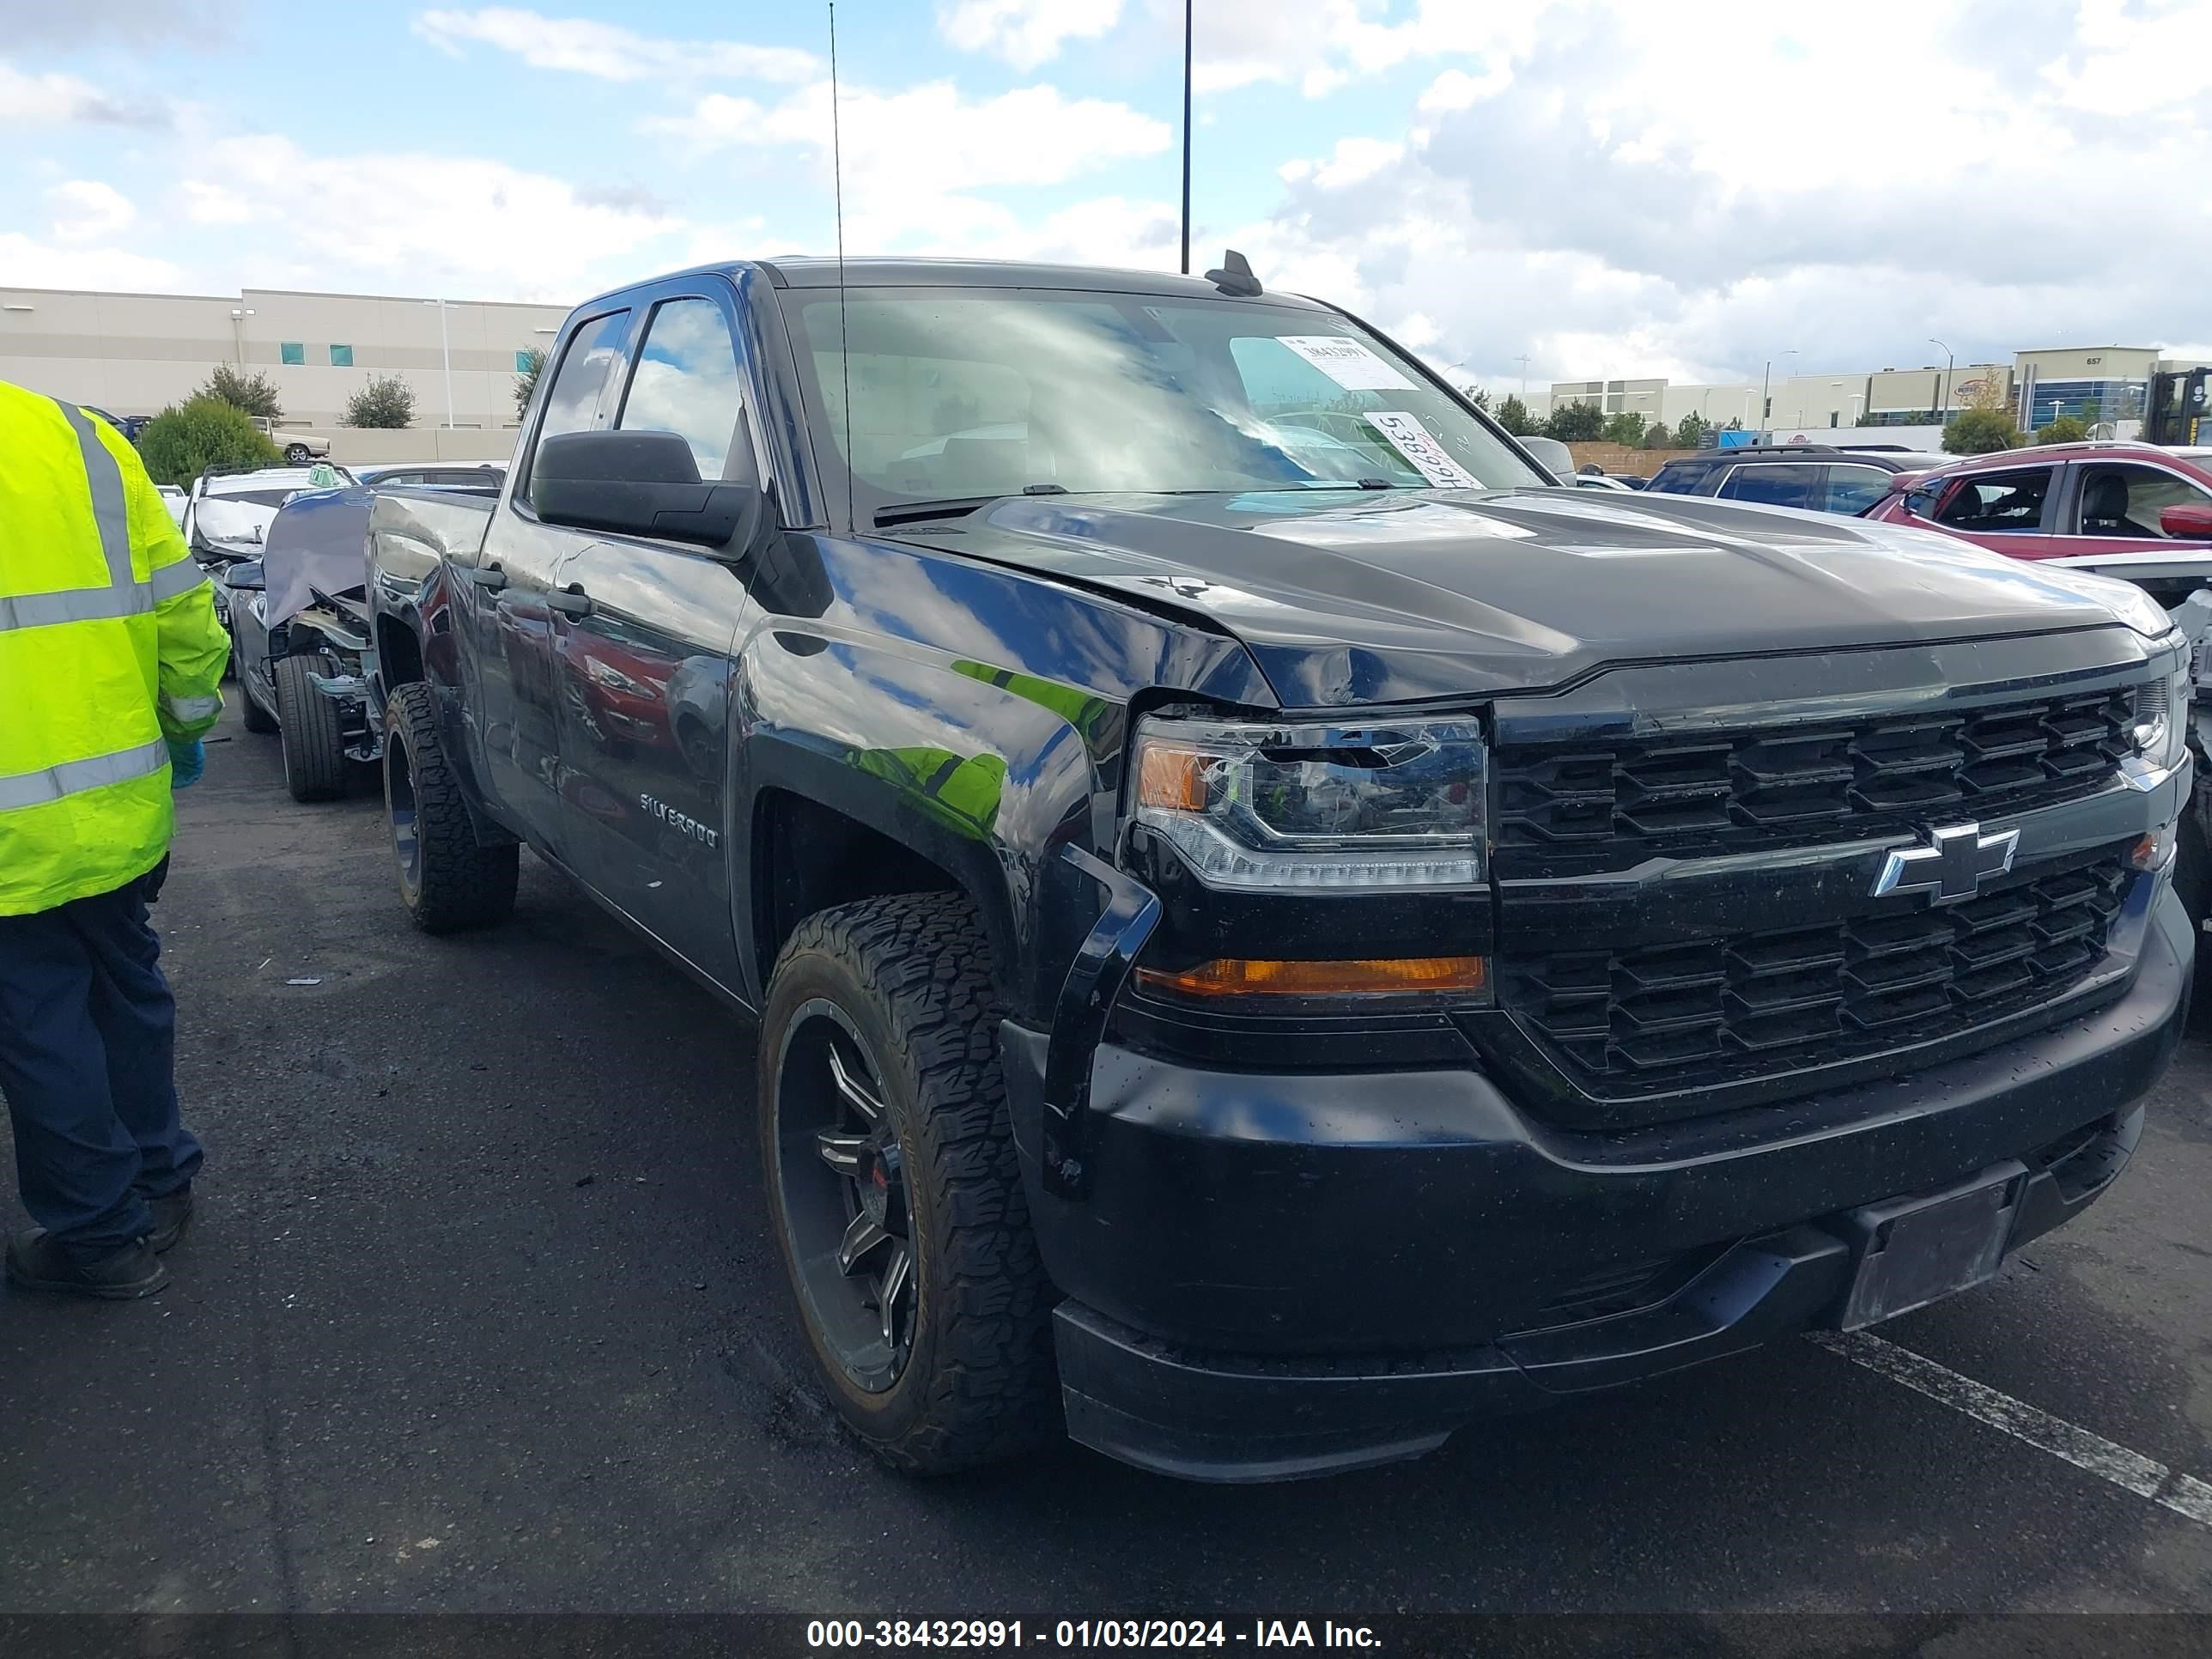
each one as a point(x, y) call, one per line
point(643, 639)
point(505, 604)
point(2013, 511)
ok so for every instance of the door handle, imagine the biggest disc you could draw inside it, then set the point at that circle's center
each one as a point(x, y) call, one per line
point(489, 577)
point(570, 601)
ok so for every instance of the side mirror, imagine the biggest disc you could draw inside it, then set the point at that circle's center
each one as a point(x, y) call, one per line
point(2187, 524)
point(639, 484)
point(246, 573)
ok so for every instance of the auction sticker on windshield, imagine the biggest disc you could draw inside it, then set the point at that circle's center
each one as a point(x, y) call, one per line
point(1347, 362)
point(1418, 445)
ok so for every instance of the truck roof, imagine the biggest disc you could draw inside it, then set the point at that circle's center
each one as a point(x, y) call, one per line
point(816, 270)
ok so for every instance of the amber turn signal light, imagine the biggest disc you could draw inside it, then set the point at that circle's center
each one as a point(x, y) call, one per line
point(1230, 976)
point(1171, 778)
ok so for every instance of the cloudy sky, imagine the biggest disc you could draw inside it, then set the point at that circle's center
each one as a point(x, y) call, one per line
point(1637, 189)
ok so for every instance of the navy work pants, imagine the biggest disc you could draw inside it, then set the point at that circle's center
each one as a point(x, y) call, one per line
point(88, 1038)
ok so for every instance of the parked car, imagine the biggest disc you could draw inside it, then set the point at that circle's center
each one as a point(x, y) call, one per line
point(1819, 478)
point(1276, 935)
point(227, 513)
point(300, 628)
point(2124, 509)
point(296, 444)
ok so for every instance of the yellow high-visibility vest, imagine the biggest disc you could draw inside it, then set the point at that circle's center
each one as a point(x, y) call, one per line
point(108, 645)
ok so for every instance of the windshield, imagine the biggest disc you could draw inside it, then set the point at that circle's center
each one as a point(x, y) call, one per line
point(958, 393)
point(257, 497)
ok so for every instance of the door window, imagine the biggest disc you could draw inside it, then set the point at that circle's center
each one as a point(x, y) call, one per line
point(1998, 503)
point(1780, 483)
point(1855, 488)
point(2121, 499)
point(574, 397)
point(686, 382)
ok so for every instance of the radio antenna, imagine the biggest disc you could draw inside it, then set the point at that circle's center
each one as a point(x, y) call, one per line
point(844, 344)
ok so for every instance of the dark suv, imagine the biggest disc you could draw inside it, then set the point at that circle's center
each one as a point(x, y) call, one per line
point(1274, 929)
point(1819, 478)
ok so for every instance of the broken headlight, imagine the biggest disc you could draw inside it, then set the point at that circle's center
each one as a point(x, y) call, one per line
point(1260, 807)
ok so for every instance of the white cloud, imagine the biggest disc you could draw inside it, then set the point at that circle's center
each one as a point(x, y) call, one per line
point(912, 158)
point(460, 225)
point(1025, 33)
point(1579, 191)
point(607, 52)
point(1318, 45)
point(35, 264)
point(2133, 58)
point(56, 99)
point(87, 210)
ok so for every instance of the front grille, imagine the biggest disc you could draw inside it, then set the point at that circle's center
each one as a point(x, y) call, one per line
point(1642, 1020)
point(1758, 784)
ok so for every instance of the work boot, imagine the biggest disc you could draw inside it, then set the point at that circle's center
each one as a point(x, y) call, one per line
point(173, 1213)
point(38, 1261)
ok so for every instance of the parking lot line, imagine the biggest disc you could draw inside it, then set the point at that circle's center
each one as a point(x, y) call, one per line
point(2184, 1494)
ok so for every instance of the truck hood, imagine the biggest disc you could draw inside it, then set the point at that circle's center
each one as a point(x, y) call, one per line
point(1411, 594)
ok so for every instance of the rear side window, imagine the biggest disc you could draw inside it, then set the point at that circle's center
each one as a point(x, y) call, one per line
point(686, 382)
point(1855, 488)
point(1680, 477)
point(1777, 483)
point(1999, 503)
point(593, 351)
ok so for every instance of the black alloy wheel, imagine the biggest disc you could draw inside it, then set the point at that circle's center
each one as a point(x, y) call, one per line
point(843, 1178)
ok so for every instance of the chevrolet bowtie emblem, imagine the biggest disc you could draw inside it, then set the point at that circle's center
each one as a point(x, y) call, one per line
point(1957, 859)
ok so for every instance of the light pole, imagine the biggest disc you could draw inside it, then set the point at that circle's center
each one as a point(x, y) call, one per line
point(1947, 360)
point(445, 351)
point(1186, 136)
point(1765, 387)
point(1523, 361)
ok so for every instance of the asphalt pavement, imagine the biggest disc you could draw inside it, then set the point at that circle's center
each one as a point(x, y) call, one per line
point(480, 1314)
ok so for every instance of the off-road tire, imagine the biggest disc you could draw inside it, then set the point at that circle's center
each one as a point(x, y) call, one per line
point(307, 725)
point(259, 720)
point(912, 971)
point(459, 882)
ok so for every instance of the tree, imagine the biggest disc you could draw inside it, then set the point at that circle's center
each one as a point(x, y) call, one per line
point(1478, 398)
point(1513, 415)
point(1658, 437)
point(1625, 427)
point(1690, 431)
point(1980, 432)
point(2063, 429)
point(386, 401)
point(1575, 423)
point(525, 383)
point(185, 439)
point(254, 393)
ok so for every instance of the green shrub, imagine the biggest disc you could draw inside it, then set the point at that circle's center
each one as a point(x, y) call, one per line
point(254, 393)
point(1513, 415)
point(2063, 429)
point(185, 439)
point(386, 401)
point(1980, 432)
point(1573, 423)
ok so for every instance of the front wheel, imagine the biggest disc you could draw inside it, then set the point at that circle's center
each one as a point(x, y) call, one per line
point(894, 1187)
point(308, 727)
point(448, 879)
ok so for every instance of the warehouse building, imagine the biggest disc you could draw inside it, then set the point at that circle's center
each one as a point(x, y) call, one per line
point(136, 354)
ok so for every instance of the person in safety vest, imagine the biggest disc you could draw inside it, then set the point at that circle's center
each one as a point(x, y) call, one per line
point(110, 653)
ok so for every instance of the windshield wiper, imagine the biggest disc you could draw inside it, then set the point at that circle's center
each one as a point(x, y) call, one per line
point(955, 507)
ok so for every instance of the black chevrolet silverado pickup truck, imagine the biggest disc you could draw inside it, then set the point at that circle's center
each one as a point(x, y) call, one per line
point(1277, 930)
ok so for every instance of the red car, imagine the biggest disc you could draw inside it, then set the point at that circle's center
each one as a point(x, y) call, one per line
point(2126, 509)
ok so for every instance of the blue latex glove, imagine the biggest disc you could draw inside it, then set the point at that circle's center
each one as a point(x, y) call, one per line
point(186, 762)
